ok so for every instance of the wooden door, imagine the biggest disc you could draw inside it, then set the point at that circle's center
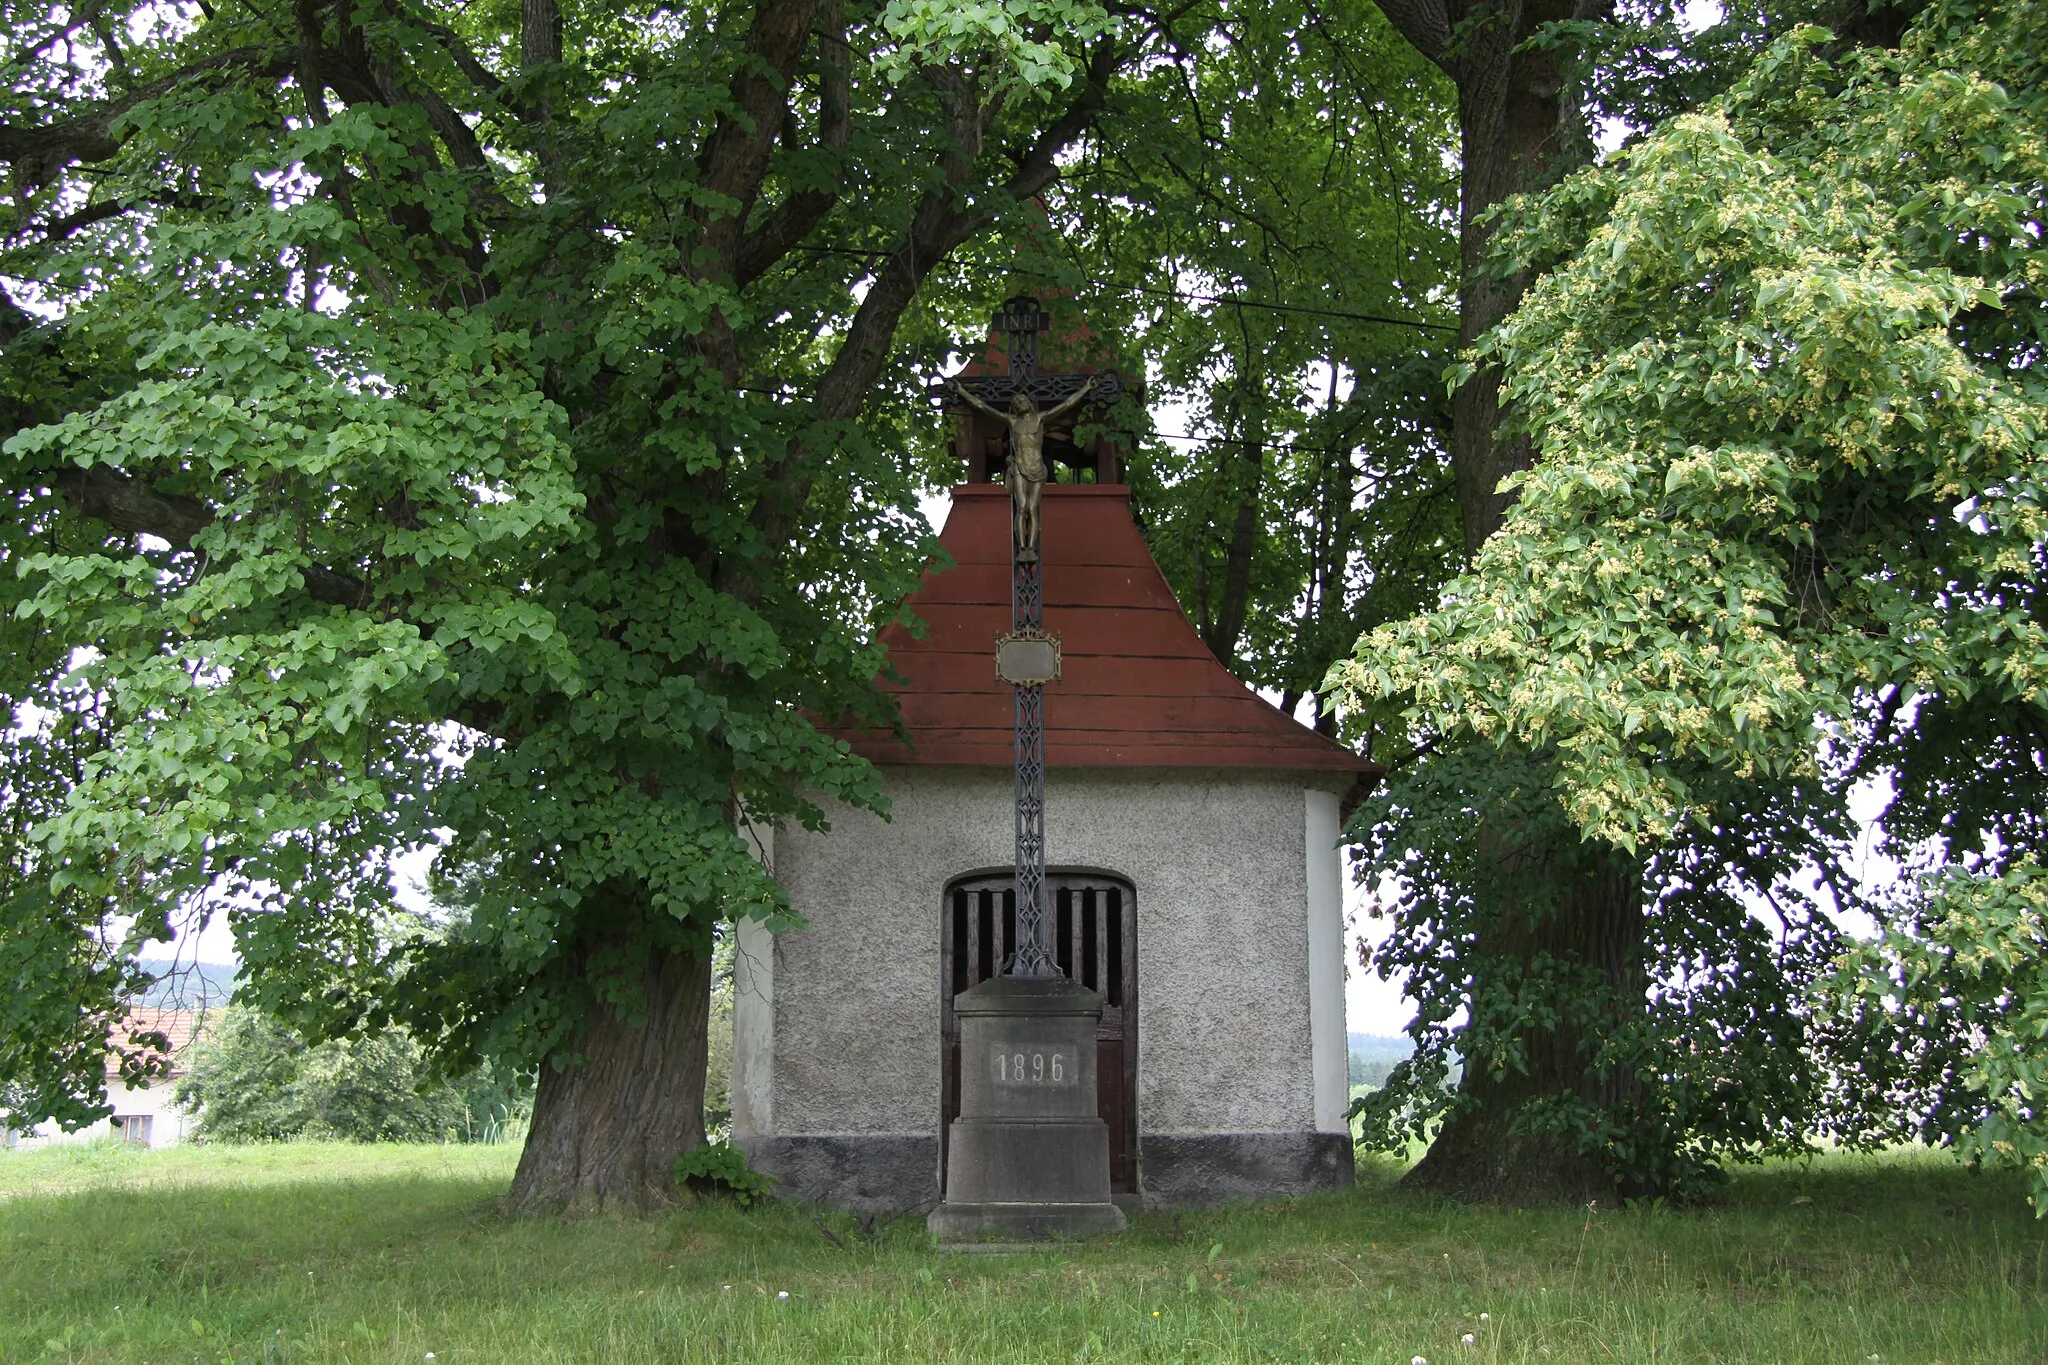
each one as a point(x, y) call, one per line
point(1095, 939)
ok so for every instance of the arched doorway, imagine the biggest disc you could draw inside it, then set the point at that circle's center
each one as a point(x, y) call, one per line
point(1095, 939)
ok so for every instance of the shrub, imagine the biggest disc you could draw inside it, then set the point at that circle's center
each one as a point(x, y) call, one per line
point(721, 1168)
point(255, 1080)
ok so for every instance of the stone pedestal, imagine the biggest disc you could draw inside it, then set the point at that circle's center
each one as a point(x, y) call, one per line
point(1028, 1158)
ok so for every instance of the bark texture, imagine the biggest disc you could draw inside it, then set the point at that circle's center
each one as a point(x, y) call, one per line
point(606, 1132)
point(1595, 941)
point(1519, 130)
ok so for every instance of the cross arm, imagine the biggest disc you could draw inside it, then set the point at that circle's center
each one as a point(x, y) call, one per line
point(967, 395)
point(1045, 390)
point(1073, 399)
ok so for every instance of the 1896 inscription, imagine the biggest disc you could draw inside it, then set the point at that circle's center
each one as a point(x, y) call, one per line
point(1035, 1066)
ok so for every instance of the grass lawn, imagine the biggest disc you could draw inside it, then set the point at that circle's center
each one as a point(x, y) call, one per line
point(321, 1252)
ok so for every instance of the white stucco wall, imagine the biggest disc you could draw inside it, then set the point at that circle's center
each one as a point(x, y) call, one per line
point(838, 1024)
point(753, 1031)
point(168, 1124)
point(753, 1011)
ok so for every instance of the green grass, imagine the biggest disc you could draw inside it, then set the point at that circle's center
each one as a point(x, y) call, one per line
point(320, 1252)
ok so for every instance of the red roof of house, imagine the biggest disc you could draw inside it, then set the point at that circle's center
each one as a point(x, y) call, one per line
point(1139, 688)
point(179, 1026)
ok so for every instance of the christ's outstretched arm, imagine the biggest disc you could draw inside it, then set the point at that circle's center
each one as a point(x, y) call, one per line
point(957, 387)
point(1073, 398)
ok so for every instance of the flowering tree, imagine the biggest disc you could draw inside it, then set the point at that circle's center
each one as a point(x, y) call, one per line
point(1786, 530)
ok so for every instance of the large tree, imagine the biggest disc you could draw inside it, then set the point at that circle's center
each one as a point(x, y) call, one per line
point(1573, 929)
point(1785, 535)
point(484, 425)
point(1550, 948)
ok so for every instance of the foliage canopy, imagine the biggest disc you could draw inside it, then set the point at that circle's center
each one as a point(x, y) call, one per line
point(1787, 533)
point(431, 423)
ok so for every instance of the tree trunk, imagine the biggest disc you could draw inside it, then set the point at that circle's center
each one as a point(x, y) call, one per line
point(1518, 133)
point(1223, 637)
point(1520, 130)
point(607, 1130)
point(1592, 944)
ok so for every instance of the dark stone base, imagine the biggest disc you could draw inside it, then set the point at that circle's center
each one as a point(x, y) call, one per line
point(1000, 1162)
point(893, 1173)
point(977, 1225)
point(1195, 1170)
point(862, 1173)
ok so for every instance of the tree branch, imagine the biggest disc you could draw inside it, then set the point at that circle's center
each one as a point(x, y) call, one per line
point(1426, 24)
point(1039, 167)
point(133, 507)
point(734, 160)
point(58, 228)
point(466, 61)
point(794, 218)
point(939, 227)
point(38, 153)
point(459, 138)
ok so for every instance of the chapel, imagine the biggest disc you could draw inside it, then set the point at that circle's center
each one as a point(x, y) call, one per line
point(1193, 878)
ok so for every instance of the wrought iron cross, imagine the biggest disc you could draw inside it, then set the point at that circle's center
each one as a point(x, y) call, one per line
point(1028, 657)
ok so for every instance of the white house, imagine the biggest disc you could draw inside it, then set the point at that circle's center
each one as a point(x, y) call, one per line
point(145, 1115)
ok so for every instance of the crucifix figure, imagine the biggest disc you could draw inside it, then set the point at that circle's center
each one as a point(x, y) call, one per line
point(1026, 472)
point(1024, 401)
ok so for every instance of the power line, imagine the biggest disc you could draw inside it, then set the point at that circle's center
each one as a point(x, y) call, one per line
point(1284, 307)
point(1416, 323)
point(1241, 441)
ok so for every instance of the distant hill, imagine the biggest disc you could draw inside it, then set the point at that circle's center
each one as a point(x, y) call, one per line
point(189, 985)
point(1372, 1044)
point(1373, 1055)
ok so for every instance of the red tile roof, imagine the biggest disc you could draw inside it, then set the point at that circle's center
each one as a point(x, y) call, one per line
point(1139, 687)
point(180, 1026)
